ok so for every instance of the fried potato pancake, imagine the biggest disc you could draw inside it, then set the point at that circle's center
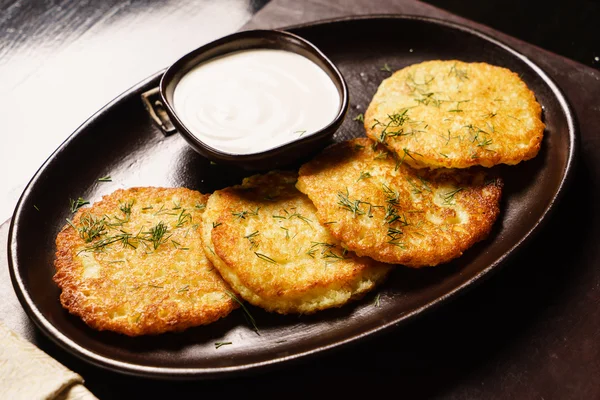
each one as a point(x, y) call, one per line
point(455, 115)
point(264, 238)
point(381, 208)
point(133, 263)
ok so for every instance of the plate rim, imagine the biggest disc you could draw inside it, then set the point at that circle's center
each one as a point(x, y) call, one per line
point(174, 373)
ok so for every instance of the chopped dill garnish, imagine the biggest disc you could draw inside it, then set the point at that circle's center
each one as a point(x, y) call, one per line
point(243, 214)
point(421, 87)
point(461, 74)
point(155, 286)
point(385, 68)
point(347, 204)
point(406, 153)
point(287, 233)
point(200, 206)
point(247, 314)
point(162, 206)
point(221, 344)
point(325, 251)
point(240, 215)
point(265, 258)
point(183, 218)
point(394, 126)
point(484, 142)
point(126, 239)
point(457, 109)
point(147, 208)
point(391, 195)
point(360, 118)
point(330, 222)
point(376, 302)
point(126, 208)
point(90, 227)
point(186, 288)
point(106, 178)
point(71, 224)
point(300, 133)
point(363, 175)
point(300, 217)
point(289, 215)
point(331, 255)
point(77, 204)
point(215, 224)
point(176, 205)
point(252, 239)
point(418, 189)
point(395, 235)
point(157, 234)
point(36, 207)
point(448, 197)
point(391, 214)
point(382, 155)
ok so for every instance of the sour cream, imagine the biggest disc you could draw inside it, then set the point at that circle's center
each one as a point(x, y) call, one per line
point(254, 100)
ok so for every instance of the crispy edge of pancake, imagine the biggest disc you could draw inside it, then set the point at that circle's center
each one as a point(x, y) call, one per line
point(341, 168)
point(280, 292)
point(69, 268)
point(476, 136)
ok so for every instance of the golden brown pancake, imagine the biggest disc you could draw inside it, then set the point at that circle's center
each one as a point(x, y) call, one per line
point(381, 208)
point(265, 239)
point(456, 115)
point(133, 263)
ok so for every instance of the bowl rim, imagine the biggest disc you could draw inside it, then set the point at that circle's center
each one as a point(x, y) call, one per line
point(174, 73)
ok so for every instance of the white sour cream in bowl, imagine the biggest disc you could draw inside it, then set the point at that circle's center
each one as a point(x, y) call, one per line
point(254, 100)
point(258, 99)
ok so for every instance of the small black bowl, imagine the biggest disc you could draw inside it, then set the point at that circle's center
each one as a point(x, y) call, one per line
point(256, 39)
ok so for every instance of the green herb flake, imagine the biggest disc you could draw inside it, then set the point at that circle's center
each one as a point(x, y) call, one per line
point(77, 204)
point(247, 314)
point(385, 68)
point(186, 288)
point(265, 258)
point(377, 300)
point(363, 175)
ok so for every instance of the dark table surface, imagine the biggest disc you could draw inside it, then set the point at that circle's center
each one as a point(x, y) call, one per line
point(532, 331)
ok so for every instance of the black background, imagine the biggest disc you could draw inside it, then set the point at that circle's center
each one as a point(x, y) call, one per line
point(568, 28)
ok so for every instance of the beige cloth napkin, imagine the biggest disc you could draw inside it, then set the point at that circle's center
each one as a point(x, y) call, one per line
point(26, 372)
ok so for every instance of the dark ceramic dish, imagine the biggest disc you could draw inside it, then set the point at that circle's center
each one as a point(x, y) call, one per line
point(135, 152)
point(248, 40)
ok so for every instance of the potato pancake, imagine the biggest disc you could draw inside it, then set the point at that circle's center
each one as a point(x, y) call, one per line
point(268, 245)
point(381, 208)
point(133, 263)
point(454, 114)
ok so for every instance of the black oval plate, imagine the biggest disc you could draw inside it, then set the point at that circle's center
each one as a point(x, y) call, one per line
point(121, 141)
